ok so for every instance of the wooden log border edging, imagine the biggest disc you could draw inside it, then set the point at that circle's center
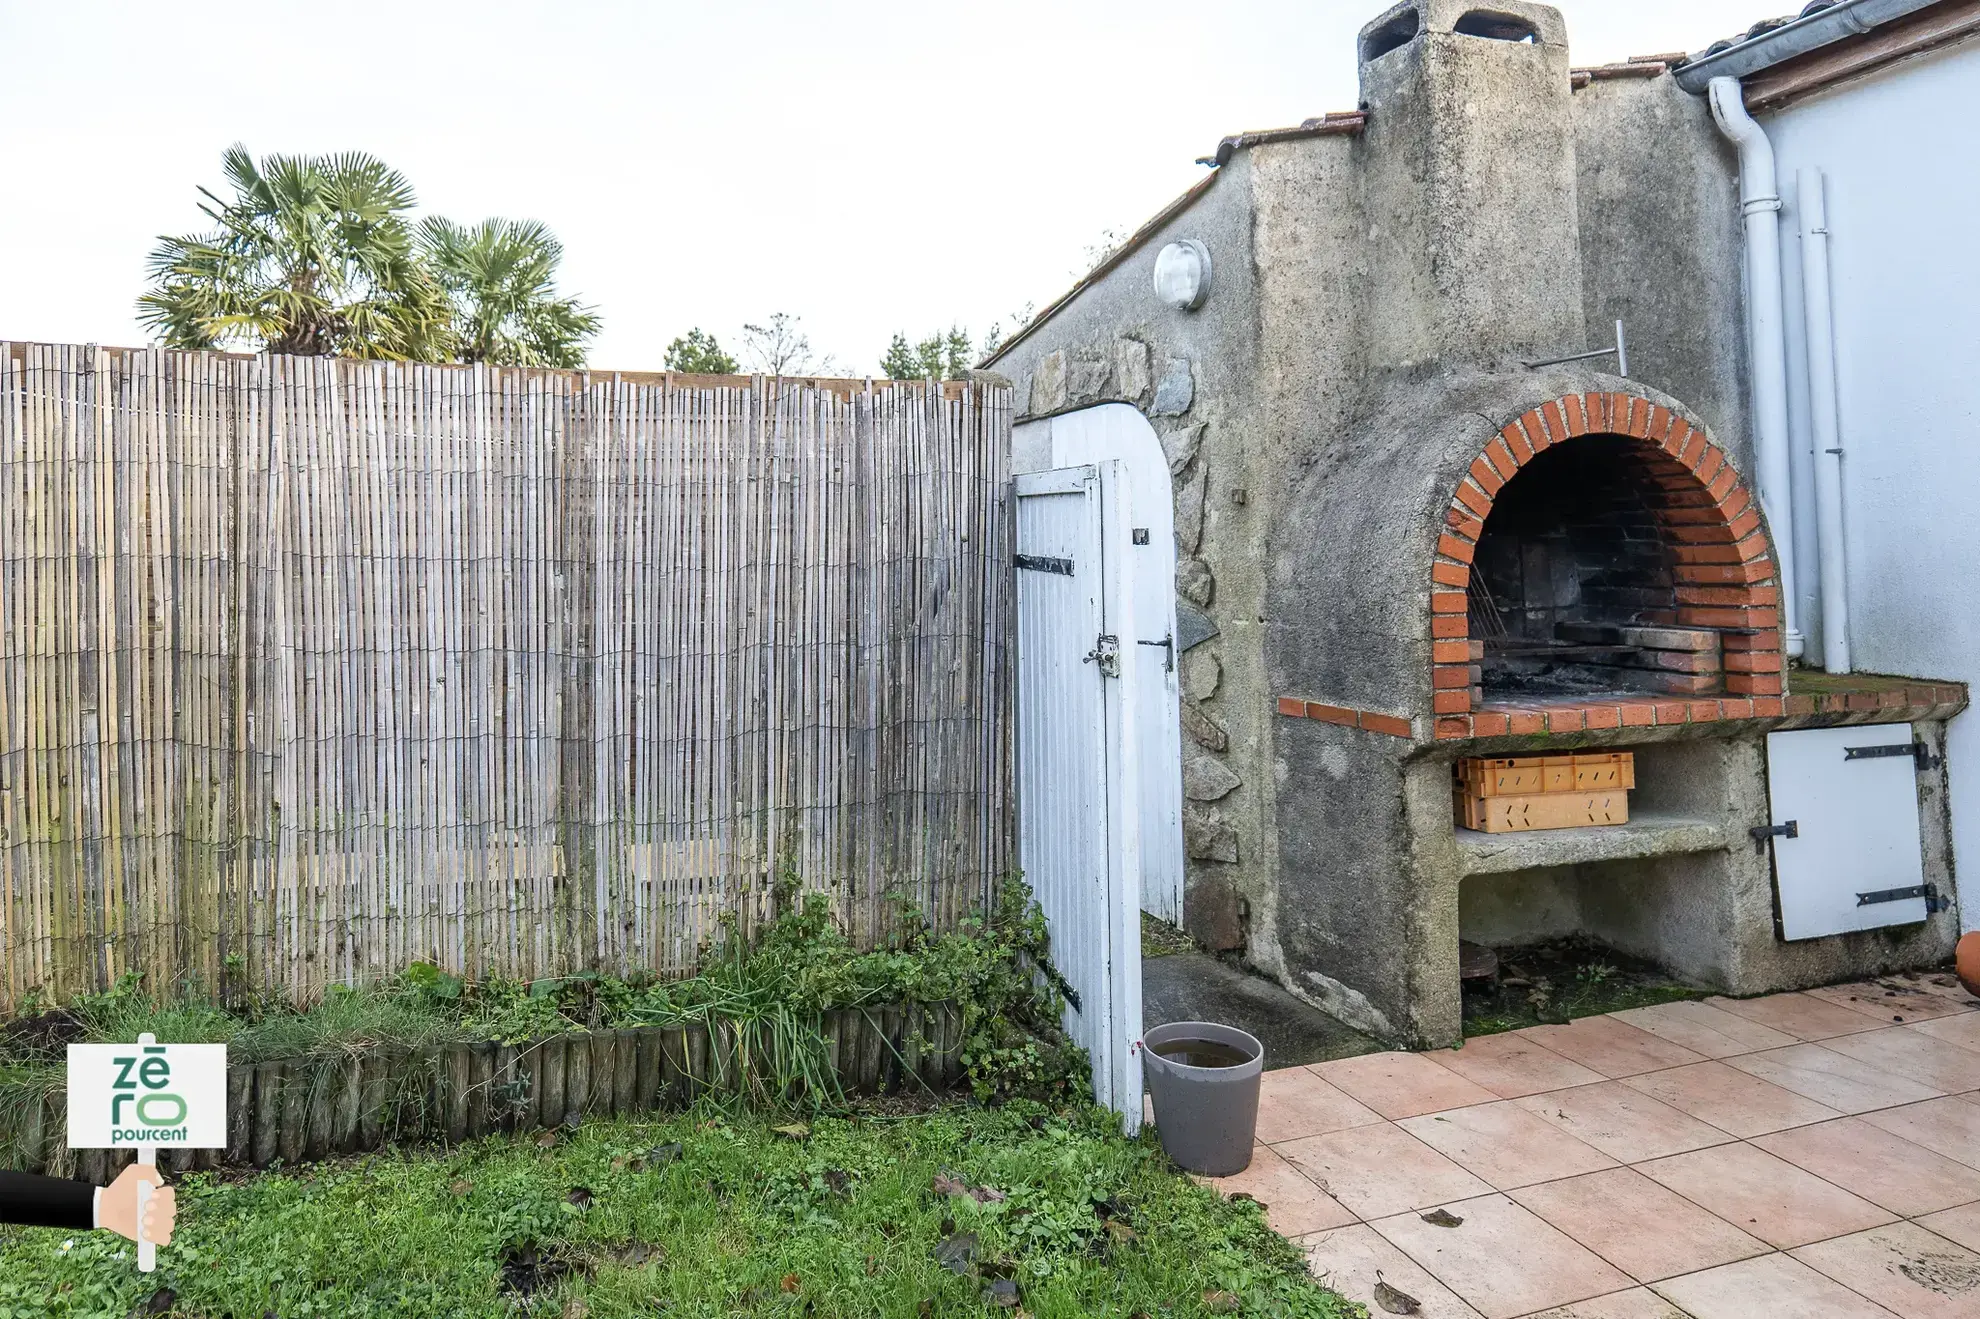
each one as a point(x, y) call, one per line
point(302, 1109)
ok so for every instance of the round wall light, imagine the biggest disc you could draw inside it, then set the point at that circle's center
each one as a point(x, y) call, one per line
point(1182, 274)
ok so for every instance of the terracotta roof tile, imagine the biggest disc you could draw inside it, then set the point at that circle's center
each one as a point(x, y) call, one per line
point(1327, 125)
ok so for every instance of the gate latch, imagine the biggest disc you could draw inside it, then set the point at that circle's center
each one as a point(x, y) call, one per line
point(1930, 892)
point(1920, 753)
point(1106, 653)
point(1760, 833)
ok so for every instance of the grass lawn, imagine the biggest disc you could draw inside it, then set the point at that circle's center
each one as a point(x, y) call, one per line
point(962, 1210)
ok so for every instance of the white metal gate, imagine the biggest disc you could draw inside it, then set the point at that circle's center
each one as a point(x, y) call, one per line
point(1079, 833)
point(1094, 435)
point(1845, 829)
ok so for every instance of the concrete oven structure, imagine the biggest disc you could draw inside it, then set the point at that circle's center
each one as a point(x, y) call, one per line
point(1401, 544)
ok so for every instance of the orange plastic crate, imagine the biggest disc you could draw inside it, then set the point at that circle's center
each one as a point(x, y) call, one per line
point(1508, 794)
point(1518, 776)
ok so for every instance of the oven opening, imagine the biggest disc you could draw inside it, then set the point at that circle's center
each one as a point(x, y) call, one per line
point(1574, 587)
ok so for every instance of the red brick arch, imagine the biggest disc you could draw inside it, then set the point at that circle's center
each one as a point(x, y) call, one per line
point(1725, 570)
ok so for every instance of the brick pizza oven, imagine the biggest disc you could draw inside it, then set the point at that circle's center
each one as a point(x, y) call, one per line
point(1402, 543)
point(1601, 548)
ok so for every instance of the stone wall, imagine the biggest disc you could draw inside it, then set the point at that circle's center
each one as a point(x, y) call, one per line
point(1657, 198)
point(1194, 376)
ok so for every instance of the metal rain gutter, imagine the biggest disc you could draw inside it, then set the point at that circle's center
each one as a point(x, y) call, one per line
point(1847, 19)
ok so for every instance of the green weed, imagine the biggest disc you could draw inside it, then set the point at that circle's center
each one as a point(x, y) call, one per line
point(762, 993)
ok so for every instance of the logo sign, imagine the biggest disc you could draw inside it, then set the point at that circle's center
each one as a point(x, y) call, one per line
point(122, 1096)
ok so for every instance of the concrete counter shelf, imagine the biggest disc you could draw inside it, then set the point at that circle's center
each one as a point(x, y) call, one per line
point(1651, 833)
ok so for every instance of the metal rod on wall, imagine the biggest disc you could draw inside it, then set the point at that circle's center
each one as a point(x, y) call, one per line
point(1620, 349)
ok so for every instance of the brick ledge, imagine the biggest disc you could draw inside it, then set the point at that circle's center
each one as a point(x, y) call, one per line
point(1890, 704)
point(1295, 708)
point(1873, 700)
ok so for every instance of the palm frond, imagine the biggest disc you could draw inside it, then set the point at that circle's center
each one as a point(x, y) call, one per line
point(319, 254)
point(501, 277)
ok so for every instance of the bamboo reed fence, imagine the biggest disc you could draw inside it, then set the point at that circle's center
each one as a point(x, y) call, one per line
point(312, 668)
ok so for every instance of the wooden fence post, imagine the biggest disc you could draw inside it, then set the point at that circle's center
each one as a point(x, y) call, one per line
point(550, 1077)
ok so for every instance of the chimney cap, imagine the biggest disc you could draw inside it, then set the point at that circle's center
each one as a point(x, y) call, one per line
point(1488, 20)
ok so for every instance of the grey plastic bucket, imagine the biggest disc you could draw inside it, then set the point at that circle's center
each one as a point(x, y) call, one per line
point(1206, 1116)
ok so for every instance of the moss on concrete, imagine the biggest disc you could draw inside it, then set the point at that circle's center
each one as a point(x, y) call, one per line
point(1562, 979)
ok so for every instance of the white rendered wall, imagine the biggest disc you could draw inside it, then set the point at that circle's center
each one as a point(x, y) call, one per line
point(1898, 149)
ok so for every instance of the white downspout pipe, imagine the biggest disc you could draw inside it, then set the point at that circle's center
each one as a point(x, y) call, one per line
point(1760, 203)
point(1824, 414)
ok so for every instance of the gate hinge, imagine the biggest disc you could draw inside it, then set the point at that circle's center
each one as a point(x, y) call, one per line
point(1060, 983)
point(1920, 753)
point(1930, 892)
point(1106, 653)
point(1168, 645)
point(1760, 833)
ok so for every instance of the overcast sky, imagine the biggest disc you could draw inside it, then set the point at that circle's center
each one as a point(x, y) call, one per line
point(868, 167)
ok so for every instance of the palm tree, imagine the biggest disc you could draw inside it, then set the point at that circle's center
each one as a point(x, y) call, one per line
point(500, 276)
point(312, 255)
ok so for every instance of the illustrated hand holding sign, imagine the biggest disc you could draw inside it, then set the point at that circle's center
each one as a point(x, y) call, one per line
point(147, 1096)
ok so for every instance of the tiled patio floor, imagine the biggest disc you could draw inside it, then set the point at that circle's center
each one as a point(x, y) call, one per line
point(1809, 1156)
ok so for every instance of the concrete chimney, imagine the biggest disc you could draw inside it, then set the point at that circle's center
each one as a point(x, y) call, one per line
point(1475, 255)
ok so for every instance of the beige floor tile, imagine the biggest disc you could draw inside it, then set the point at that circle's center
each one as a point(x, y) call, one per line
point(1946, 1126)
point(1627, 1125)
point(1961, 1224)
point(1767, 1287)
point(1505, 1144)
point(1511, 1065)
point(1913, 1055)
point(1348, 1259)
point(1295, 1102)
point(1503, 1260)
point(1730, 1099)
point(1945, 985)
point(1613, 1048)
point(1827, 1077)
point(1400, 1084)
point(1764, 1196)
point(1801, 1015)
point(1962, 1030)
point(1646, 1230)
point(1888, 999)
point(1704, 1029)
point(1904, 1268)
point(1884, 1169)
point(1380, 1170)
point(1636, 1303)
point(1294, 1206)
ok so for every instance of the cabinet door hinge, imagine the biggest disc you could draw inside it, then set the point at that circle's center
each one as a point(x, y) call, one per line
point(1760, 833)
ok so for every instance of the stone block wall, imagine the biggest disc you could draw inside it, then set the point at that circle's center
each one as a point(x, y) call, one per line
point(1193, 376)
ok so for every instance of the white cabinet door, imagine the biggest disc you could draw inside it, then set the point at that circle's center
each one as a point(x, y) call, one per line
point(1851, 798)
